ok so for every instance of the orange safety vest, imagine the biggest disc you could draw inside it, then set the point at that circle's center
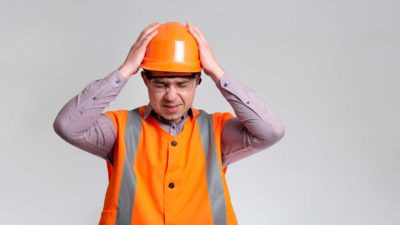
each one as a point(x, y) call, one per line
point(156, 178)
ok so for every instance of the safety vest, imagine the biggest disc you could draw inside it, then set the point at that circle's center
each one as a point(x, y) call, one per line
point(156, 178)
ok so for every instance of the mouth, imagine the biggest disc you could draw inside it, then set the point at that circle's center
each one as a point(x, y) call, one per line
point(171, 108)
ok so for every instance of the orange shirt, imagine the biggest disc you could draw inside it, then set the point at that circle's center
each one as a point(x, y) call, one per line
point(157, 178)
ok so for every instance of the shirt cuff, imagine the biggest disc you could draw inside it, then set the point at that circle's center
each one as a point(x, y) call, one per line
point(228, 85)
point(115, 79)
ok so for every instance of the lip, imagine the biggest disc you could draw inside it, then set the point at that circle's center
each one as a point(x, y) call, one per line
point(171, 108)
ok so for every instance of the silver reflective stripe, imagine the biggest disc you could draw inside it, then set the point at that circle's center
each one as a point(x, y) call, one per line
point(128, 182)
point(214, 177)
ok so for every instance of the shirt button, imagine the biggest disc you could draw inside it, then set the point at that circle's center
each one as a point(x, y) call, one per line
point(118, 81)
point(173, 127)
point(94, 98)
point(174, 143)
point(225, 84)
point(171, 185)
point(247, 102)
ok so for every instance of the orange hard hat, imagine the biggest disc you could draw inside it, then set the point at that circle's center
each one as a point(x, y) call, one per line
point(173, 49)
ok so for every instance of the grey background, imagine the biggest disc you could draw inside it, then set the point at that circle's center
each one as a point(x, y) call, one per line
point(329, 69)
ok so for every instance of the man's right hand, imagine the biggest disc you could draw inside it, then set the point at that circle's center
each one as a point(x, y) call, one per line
point(138, 49)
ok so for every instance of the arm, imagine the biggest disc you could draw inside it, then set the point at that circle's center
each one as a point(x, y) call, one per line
point(256, 126)
point(81, 121)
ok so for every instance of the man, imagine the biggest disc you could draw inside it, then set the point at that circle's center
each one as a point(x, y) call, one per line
point(167, 160)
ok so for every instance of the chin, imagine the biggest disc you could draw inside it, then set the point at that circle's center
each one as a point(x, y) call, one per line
point(172, 117)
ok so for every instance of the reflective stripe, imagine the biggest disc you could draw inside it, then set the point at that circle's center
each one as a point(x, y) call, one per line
point(128, 182)
point(214, 177)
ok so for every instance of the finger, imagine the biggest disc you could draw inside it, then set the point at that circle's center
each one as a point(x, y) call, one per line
point(150, 28)
point(195, 35)
point(198, 40)
point(200, 35)
point(152, 24)
point(191, 30)
point(148, 38)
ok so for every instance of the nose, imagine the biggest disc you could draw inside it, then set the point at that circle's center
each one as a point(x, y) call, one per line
point(171, 93)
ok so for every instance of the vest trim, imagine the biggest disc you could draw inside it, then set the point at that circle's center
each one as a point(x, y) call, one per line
point(128, 183)
point(214, 178)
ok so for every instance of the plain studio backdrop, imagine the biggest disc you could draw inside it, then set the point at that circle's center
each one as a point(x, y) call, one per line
point(329, 69)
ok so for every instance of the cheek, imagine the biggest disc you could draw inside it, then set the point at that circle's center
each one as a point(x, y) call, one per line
point(154, 100)
point(188, 98)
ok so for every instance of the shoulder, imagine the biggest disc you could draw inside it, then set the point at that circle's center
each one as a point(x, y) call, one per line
point(217, 117)
point(115, 114)
point(120, 116)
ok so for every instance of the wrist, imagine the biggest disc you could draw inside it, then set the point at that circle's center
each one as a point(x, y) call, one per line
point(125, 71)
point(217, 74)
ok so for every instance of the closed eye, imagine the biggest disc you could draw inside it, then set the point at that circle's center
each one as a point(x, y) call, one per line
point(183, 84)
point(160, 84)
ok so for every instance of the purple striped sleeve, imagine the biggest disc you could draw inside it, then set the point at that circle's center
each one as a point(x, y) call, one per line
point(256, 126)
point(82, 123)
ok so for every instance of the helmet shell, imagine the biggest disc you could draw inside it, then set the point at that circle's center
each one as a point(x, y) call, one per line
point(173, 49)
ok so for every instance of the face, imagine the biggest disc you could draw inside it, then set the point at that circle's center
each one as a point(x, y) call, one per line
point(171, 97)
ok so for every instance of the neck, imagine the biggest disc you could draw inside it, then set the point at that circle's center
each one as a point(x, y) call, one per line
point(162, 119)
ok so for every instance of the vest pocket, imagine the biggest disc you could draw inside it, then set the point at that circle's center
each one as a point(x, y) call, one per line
point(108, 217)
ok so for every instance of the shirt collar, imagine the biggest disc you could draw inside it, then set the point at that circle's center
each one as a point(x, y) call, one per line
point(149, 110)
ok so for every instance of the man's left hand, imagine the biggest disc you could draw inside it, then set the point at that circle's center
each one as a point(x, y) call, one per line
point(207, 59)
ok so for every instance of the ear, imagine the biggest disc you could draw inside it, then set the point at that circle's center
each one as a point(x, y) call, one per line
point(145, 80)
point(198, 78)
